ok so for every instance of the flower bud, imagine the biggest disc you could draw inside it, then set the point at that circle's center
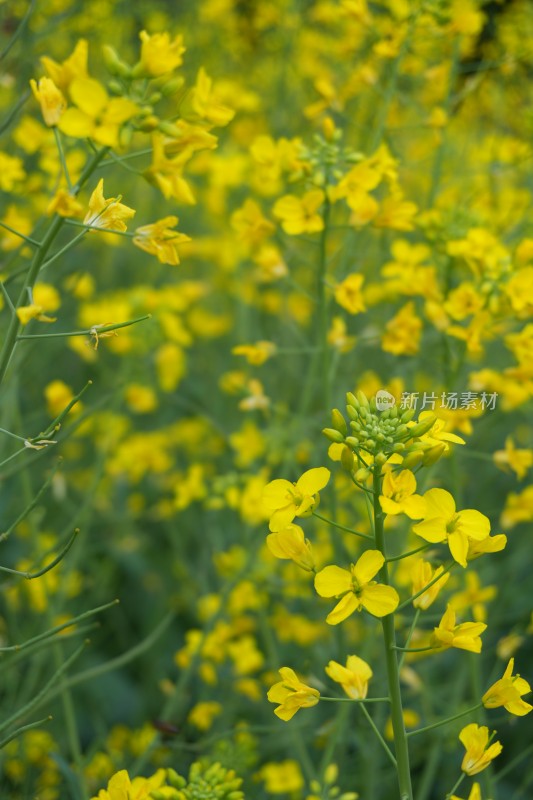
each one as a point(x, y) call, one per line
point(338, 421)
point(333, 435)
point(422, 427)
point(347, 459)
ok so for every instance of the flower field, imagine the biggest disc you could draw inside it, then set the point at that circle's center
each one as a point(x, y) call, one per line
point(266, 417)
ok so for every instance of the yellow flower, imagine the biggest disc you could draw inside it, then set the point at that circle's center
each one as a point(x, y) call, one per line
point(33, 311)
point(402, 332)
point(159, 54)
point(51, 100)
point(75, 66)
point(356, 588)
point(465, 636)
point(58, 395)
point(290, 543)
point(422, 574)
point(473, 596)
point(285, 500)
point(203, 714)
point(167, 173)
point(399, 495)
point(292, 695)
point(442, 521)
point(300, 214)
point(513, 458)
point(159, 239)
point(348, 294)
point(396, 213)
point(250, 224)
point(479, 753)
point(96, 116)
point(255, 354)
point(206, 103)
point(475, 793)
point(107, 214)
point(282, 777)
point(353, 678)
point(11, 171)
point(140, 399)
point(120, 787)
point(507, 692)
point(64, 204)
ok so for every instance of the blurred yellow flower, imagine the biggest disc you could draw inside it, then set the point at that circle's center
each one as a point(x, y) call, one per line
point(159, 239)
point(300, 214)
point(51, 100)
point(160, 54)
point(107, 214)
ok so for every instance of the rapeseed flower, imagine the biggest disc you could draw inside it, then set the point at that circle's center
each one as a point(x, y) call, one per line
point(442, 522)
point(465, 636)
point(399, 495)
point(160, 54)
point(508, 692)
point(300, 214)
point(356, 589)
point(107, 214)
point(51, 100)
point(285, 500)
point(161, 240)
point(291, 694)
point(479, 753)
point(353, 678)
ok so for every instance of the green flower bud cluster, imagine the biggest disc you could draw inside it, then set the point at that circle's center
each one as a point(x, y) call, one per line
point(379, 433)
point(205, 782)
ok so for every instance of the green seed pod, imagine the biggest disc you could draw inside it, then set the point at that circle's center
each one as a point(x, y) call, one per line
point(362, 474)
point(333, 435)
point(394, 412)
point(352, 412)
point(355, 426)
point(422, 427)
point(412, 459)
point(352, 442)
point(408, 415)
point(347, 459)
point(172, 86)
point(363, 400)
point(352, 400)
point(338, 422)
point(175, 780)
point(364, 413)
point(385, 414)
point(432, 455)
point(381, 459)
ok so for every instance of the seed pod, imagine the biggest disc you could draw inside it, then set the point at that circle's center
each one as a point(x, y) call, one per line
point(355, 426)
point(347, 459)
point(432, 455)
point(338, 422)
point(333, 435)
point(363, 400)
point(422, 427)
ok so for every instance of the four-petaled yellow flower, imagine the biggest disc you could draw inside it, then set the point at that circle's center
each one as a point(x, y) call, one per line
point(465, 636)
point(291, 543)
point(399, 495)
point(507, 692)
point(442, 521)
point(107, 214)
point(349, 295)
point(284, 500)
point(479, 753)
point(159, 239)
point(300, 214)
point(159, 54)
point(356, 588)
point(51, 100)
point(353, 677)
point(121, 787)
point(96, 116)
point(292, 694)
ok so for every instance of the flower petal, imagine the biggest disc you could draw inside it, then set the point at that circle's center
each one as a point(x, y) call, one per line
point(440, 503)
point(346, 606)
point(332, 581)
point(368, 565)
point(313, 480)
point(379, 599)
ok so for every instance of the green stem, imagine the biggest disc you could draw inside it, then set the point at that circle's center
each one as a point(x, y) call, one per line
point(445, 721)
point(62, 158)
point(23, 729)
point(393, 672)
point(409, 635)
point(343, 527)
point(379, 736)
point(409, 553)
point(456, 785)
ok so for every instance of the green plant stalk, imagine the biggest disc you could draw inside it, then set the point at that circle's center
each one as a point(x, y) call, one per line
point(391, 659)
point(55, 226)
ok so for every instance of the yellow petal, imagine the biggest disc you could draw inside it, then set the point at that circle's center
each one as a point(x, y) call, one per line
point(380, 600)
point(89, 95)
point(458, 544)
point(313, 480)
point(332, 581)
point(439, 503)
point(368, 565)
point(75, 123)
point(346, 606)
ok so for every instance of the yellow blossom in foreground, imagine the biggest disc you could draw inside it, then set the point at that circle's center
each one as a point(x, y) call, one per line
point(285, 500)
point(300, 214)
point(475, 793)
point(465, 636)
point(479, 753)
point(292, 695)
point(353, 678)
point(290, 543)
point(159, 239)
point(421, 575)
point(107, 214)
point(160, 54)
point(206, 103)
point(255, 354)
point(51, 100)
point(399, 495)
point(507, 692)
point(442, 522)
point(356, 588)
point(348, 294)
point(94, 115)
point(121, 787)
point(75, 66)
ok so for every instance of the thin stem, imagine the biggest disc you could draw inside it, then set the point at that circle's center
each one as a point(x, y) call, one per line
point(62, 158)
point(445, 721)
point(393, 673)
point(456, 785)
point(409, 553)
point(97, 228)
point(409, 636)
point(31, 506)
point(96, 330)
point(384, 744)
point(426, 587)
point(28, 239)
point(355, 700)
point(343, 527)
point(23, 729)
point(414, 649)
